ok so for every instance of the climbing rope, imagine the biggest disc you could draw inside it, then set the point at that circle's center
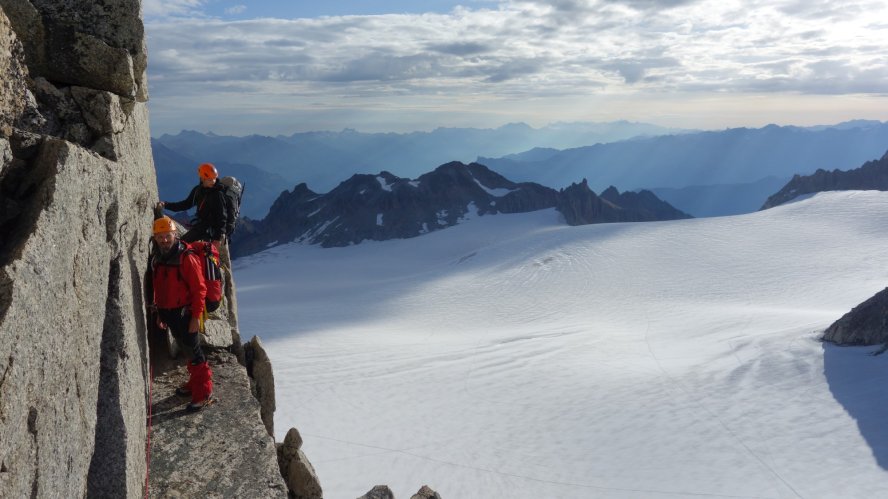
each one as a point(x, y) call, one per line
point(148, 436)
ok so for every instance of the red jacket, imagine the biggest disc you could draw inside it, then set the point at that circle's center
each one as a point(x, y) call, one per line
point(179, 280)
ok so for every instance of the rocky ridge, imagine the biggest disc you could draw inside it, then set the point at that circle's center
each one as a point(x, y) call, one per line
point(383, 206)
point(865, 324)
point(872, 175)
point(580, 206)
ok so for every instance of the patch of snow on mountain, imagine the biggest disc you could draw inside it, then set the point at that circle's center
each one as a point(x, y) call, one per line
point(384, 184)
point(499, 192)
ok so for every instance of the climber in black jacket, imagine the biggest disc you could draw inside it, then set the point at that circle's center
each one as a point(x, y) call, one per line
point(212, 221)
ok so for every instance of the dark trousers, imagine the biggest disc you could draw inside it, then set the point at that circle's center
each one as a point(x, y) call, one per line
point(177, 319)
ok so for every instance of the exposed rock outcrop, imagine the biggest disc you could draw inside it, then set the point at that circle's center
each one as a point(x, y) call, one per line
point(76, 179)
point(379, 492)
point(261, 380)
point(383, 492)
point(580, 206)
point(872, 175)
point(426, 493)
point(865, 324)
point(297, 471)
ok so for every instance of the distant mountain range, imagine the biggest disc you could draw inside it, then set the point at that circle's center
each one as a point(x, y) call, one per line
point(702, 173)
point(872, 175)
point(323, 159)
point(384, 206)
point(733, 156)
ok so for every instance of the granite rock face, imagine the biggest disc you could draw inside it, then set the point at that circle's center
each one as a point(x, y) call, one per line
point(76, 182)
point(14, 92)
point(865, 324)
point(100, 45)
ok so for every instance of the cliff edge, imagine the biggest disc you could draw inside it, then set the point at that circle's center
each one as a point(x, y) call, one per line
point(77, 183)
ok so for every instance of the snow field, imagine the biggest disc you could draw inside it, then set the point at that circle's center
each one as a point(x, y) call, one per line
point(514, 356)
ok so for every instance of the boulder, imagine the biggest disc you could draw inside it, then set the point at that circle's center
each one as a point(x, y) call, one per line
point(379, 492)
point(297, 471)
point(426, 493)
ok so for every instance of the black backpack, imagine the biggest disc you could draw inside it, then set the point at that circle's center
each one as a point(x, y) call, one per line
point(234, 192)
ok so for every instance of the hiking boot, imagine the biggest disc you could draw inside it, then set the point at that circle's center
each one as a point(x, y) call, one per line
point(196, 406)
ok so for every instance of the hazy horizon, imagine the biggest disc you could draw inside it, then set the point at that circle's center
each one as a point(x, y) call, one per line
point(433, 128)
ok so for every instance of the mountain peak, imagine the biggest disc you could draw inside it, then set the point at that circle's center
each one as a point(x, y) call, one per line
point(384, 206)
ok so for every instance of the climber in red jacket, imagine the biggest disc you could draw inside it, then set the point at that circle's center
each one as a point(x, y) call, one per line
point(179, 293)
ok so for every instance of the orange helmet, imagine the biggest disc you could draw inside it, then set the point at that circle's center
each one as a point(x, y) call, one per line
point(207, 171)
point(164, 224)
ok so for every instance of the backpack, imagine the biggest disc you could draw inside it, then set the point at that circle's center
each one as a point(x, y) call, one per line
point(212, 269)
point(209, 262)
point(234, 192)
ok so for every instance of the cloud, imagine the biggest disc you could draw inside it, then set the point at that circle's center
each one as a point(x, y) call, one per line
point(237, 9)
point(460, 48)
point(525, 51)
point(516, 68)
point(651, 4)
point(634, 70)
point(164, 8)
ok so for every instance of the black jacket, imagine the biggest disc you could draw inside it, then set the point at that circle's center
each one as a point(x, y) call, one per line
point(212, 209)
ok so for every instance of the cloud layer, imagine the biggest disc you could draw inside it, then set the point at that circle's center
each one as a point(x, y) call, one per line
point(515, 53)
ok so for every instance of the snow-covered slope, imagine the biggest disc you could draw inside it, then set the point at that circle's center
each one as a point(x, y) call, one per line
point(513, 356)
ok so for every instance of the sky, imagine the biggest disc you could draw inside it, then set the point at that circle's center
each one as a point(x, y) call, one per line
point(279, 67)
point(516, 356)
